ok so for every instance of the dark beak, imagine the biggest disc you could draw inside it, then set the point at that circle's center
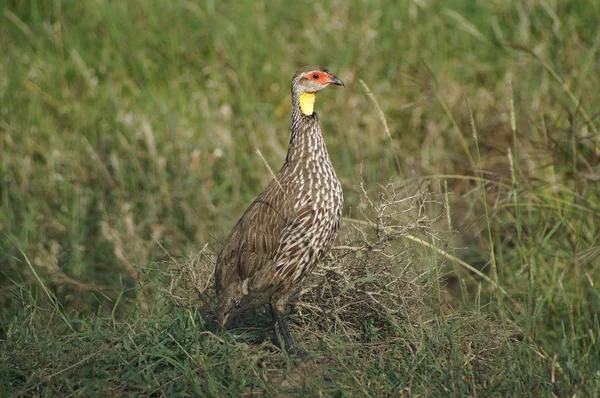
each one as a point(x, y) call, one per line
point(336, 81)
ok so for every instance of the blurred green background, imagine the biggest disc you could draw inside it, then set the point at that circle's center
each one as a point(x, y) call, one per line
point(128, 124)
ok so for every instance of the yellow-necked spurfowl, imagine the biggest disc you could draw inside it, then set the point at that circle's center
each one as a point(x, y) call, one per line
point(290, 226)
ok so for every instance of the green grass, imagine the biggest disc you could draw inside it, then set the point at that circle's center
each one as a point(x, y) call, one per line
point(128, 138)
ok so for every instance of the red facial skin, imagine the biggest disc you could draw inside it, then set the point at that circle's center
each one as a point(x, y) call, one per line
point(319, 77)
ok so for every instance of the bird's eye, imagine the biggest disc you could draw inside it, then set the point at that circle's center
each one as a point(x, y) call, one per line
point(316, 76)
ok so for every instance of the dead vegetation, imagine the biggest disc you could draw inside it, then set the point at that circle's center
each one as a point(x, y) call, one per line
point(377, 289)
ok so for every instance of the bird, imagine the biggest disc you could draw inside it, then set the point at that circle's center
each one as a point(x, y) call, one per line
point(290, 226)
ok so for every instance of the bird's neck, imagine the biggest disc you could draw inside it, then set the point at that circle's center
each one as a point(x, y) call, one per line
point(306, 140)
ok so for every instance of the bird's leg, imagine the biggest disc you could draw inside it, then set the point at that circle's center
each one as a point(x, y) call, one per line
point(280, 327)
point(276, 340)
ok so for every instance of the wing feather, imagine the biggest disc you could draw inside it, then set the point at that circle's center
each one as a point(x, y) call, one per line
point(254, 239)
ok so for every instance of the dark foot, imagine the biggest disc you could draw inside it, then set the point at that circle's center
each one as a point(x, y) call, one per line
point(259, 340)
point(302, 354)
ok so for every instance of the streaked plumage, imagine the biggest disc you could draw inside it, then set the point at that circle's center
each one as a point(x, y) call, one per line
point(291, 224)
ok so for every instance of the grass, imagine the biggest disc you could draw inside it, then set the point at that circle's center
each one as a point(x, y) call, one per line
point(469, 162)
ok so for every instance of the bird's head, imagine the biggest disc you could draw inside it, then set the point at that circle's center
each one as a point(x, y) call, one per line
point(305, 84)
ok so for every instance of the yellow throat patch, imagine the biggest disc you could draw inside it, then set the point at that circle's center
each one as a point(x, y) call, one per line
point(307, 103)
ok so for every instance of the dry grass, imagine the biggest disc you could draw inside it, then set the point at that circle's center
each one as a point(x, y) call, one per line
point(374, 287)
point(371, 277)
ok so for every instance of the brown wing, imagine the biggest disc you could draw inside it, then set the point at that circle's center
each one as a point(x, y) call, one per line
point(254, 239)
